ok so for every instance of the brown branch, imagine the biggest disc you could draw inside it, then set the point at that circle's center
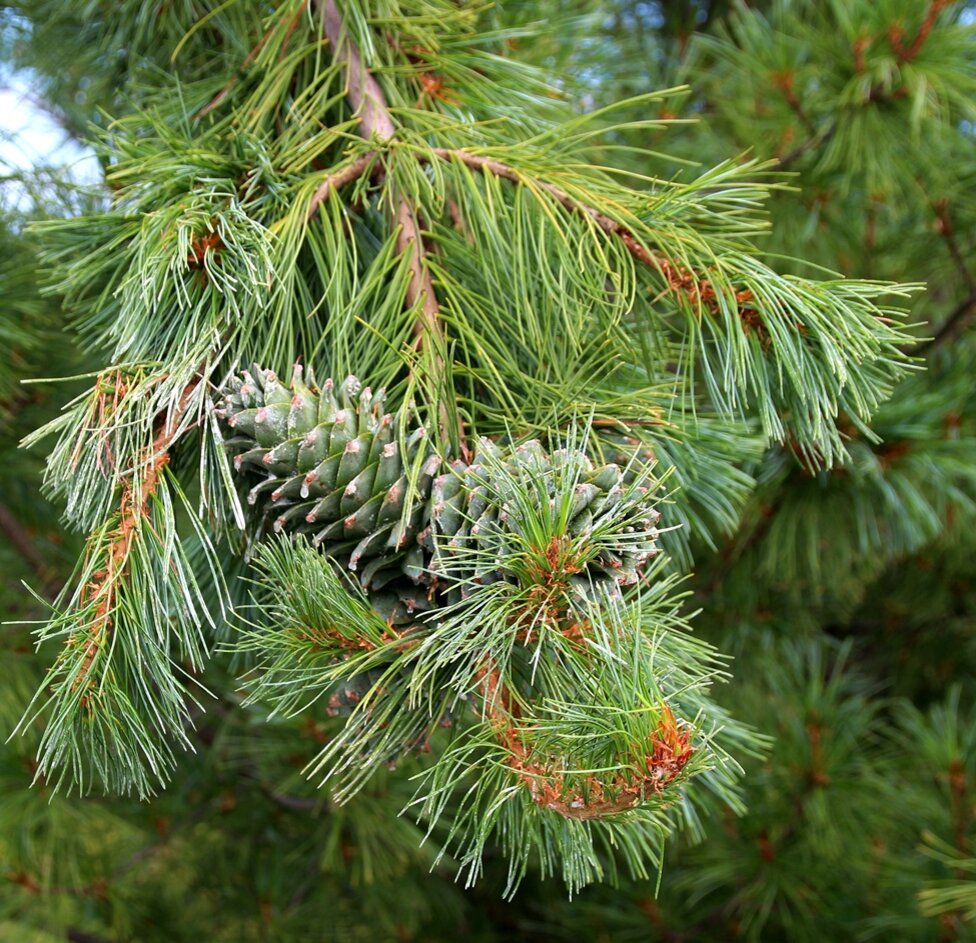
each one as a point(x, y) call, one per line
point(457, 220)
point(133, 509)
point(225, 91)
point(295, 803)
point(606, 223)
point(368, 101)
point(808, 145)
point(421, 287)
point(21, 541)
point(289, 32)
point(944, 227)
point(362, 89)
point(960, 317)
point(33, 885)
point(669, 750)
point(507, 172)
point(251, 56)
point(375, 122)
point(957, 321)
point(959, 807)
point(858, 48)
point(695, 287)
point(932, 14)
point(737, 546)
point(783, 81)
point(339, 178)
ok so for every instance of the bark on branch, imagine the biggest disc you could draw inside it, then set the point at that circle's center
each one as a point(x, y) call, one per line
point(696, 287)
point(368, 101)
point(133, 509)
point(669, 749)
point(931, 15)
point(340, 178)
point(952, 327)
point(507, 172)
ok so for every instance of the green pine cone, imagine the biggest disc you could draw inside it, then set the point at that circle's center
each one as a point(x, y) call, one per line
point(331, 464)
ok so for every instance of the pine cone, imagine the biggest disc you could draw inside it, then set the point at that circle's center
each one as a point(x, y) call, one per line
point(330, 463)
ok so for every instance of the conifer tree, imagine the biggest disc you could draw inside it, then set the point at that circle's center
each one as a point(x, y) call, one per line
point(449, 411)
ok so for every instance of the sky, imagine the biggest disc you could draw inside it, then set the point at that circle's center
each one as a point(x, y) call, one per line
point(29, 136)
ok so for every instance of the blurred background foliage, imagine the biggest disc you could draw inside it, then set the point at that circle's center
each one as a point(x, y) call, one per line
point(846, 596)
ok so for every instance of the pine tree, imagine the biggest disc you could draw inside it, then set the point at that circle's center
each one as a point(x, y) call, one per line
point(421, 408)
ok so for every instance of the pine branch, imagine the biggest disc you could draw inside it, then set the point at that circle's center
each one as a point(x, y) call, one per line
point(366, 96)
point(945, 228)
point(608, 225)
point(957, 321)
point(102, 588)
point(134, 507)
point(368, 101)
point(340, 178)
point(907, 54)
point(695, 286)
point(808, 145)
point(670, 751)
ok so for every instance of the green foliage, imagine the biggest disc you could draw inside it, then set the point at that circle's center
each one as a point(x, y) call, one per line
point(520, 236)
point(562, 712)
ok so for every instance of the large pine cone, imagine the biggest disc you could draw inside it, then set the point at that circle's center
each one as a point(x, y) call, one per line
point(385, 505)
